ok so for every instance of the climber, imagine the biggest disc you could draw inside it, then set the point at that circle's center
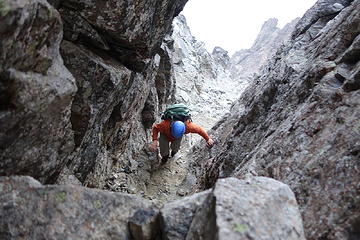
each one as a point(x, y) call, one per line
point(171, 133)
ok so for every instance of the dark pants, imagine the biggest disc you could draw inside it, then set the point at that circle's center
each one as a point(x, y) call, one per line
point(164, 145)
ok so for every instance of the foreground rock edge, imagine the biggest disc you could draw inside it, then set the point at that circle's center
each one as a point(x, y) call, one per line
point(30, 209)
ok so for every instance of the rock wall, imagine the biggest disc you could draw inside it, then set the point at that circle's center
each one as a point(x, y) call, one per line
point(87, 111)
point(113, 50)
point(247, 63)
point(299, 123)
point(83, 81)
point(36, 92)
point(210, 82)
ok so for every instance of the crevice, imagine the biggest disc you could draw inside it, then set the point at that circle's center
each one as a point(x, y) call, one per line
point(80, 117)
point(208, 229)
point(163, 82)
point(354, 231)
point(352, 54)
point(148, 114)
point(7, 91)
point(114, 117)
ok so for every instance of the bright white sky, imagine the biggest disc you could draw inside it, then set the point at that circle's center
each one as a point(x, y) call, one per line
point(234, 24)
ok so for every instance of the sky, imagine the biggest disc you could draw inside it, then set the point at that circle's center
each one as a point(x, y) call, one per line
point(234, 24)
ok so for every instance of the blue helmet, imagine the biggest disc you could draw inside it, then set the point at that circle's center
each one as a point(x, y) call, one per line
point(178, 129)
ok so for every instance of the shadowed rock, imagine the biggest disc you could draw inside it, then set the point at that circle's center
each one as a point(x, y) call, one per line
point(132, 31)
point(34, 211)
point(176, 216)
point(36, 91)
point(113, 50)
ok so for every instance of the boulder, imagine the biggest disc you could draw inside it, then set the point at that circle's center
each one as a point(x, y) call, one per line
point(254, 208)
point(36, 91)
point(176, 216)
point(31, 210)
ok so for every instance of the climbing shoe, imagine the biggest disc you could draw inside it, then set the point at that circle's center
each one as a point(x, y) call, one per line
point(164, 159)
point(172, 154)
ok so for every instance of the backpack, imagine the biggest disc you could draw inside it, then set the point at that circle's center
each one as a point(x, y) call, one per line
point(177, 112)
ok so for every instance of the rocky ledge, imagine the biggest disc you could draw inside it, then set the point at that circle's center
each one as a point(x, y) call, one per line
point(299, 123)
point(255, 208)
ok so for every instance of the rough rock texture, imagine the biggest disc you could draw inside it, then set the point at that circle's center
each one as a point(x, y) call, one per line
point(247, 63)
point(131, 30)
point(36, 91)
point(255, 208)
point(95, 118)
point(220, 57)
point(232, 210)
point(113, 50)
point(29, 210)
point(299, 123)
point(68, 178)
point(202, 79)
point(103, 110)
point(210, 83)
point(176, 216)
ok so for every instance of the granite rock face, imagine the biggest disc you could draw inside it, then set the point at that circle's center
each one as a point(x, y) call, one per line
point(113, 49)
point(255, 208)
point(86, 113)
point(103, 110)
point(36, 91)
point(30, 210)
point(133, 31)
point(177, 216)
point(233, 209)
point(299, 123)
point(247, 63)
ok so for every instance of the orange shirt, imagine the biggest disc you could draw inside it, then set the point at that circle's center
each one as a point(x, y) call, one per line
point(164, 128)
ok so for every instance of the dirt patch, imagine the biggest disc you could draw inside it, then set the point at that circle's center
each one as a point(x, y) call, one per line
point(166, 180)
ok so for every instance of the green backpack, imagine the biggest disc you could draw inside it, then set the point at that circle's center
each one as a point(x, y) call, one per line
point(177, 112)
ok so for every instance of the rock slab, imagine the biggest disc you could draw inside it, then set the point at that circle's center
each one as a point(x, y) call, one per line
point(254, 208)
point(30, 210)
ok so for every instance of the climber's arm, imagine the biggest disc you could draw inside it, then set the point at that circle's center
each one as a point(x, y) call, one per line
point(193, 128)
point(155, 133)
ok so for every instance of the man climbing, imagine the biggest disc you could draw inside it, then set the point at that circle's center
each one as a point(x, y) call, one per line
point(172, 129)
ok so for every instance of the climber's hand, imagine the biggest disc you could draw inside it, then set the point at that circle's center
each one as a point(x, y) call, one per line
point(210, 143)
point(153, 146)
